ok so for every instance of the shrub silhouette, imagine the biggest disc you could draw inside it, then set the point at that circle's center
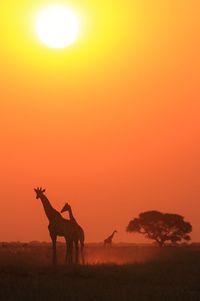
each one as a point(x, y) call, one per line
point(161, 227)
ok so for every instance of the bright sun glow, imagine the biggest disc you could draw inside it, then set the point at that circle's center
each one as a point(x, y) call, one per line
point(57, 26)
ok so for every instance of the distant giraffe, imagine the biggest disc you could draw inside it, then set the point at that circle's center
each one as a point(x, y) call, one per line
point(79, 230)
point(108, 240)
point(58, 226)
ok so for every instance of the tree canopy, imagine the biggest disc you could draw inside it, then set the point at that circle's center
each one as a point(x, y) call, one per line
point(161, 227)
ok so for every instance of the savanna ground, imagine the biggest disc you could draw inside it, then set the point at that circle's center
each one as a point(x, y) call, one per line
point(111, 273)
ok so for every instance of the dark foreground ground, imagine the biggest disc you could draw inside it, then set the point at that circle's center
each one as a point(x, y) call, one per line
point(131, 273)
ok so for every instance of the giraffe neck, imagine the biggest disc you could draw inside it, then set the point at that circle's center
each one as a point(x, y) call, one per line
point(71, 216)
point(112, 234)
point(48, 209)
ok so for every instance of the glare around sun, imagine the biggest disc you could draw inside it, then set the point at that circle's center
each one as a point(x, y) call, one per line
point(57, 26)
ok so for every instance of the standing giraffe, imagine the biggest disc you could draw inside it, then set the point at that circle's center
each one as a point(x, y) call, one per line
point(78, 229)
point(108, 240)
point(58, 226)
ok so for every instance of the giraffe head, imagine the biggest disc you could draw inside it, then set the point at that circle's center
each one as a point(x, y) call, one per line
point(66, 207)
point(39, 192)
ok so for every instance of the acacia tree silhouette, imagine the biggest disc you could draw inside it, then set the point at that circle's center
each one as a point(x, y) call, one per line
point(79, 232)
point(161, 227)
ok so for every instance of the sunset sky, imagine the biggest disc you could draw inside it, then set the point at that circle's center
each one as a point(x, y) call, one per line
point(110, 123)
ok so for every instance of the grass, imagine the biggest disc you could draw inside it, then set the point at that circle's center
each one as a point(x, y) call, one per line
point(148, 273)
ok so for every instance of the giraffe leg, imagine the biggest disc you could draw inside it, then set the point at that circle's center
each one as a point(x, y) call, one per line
point(66, 252)
point(69, 251)
point(82, 252)
point(54, 259)
point(76, 252)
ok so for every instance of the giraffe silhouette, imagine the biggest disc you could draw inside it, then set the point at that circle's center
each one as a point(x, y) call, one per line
point(79, 230)
point(58, 226)
point(108, 240)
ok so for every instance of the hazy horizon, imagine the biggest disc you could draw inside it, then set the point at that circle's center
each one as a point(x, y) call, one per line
point(110, 124)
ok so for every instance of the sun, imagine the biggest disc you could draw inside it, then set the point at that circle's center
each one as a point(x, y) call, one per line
point(57, 26)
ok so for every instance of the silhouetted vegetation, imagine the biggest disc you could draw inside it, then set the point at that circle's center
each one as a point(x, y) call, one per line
point(161, 227)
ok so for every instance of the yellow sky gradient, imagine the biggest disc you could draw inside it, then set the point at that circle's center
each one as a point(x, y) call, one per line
point(110, 123)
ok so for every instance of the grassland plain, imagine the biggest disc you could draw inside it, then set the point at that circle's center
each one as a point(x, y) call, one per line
point(115, 273)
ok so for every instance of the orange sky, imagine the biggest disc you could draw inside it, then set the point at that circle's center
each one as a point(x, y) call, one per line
point(110, 124)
